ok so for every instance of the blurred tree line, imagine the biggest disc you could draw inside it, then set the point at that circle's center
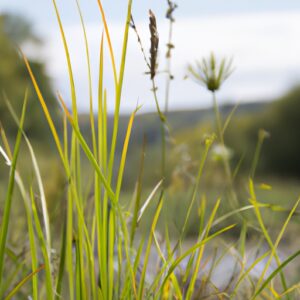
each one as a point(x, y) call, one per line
point(280, 154)
point(14, 79)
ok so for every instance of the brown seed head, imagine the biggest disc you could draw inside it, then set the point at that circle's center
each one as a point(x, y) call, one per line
point(154, 39)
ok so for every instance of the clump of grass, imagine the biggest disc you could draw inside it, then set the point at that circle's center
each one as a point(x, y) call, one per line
point(99, 252)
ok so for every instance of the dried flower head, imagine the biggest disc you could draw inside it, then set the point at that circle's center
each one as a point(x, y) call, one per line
point(210, 73)
point(154, 44)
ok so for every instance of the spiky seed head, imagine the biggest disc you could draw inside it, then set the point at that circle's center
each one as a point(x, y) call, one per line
point(210, 73)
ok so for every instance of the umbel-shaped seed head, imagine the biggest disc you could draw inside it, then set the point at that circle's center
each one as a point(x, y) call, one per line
point(210, 73)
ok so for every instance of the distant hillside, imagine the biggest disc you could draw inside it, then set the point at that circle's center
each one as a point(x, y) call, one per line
point(148, 124)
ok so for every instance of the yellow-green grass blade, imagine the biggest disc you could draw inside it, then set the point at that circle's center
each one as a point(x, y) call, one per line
point(69, 64)
point(78, 270)
point(260, 141)
point(208, 144)
point(245, 274)
point(33, 250)
point(192, 250)
point(38, 177)
point(119, 92)
point(100, 121)
point(190, 263)
point(123, 156)
point(259, 217)
point(229, 118)
point(43, 245)
point(88, 152)
point(22, 282)
point(276, 272)
point(87, 51)
point(47, 114)
point(10, 189)
point(69, 251)
point(137, 195)
point(111, 233)
point(201, 250)
point(10, 278)
point(148, 249)
point(290, 290)
point(280, 235)
point(53, 130)
point(104, 132)
point(26, 198)
point(112, 56)
point(62, 261)
point(173, 278)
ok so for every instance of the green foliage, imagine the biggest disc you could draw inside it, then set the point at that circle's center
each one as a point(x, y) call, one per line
point(280, 119)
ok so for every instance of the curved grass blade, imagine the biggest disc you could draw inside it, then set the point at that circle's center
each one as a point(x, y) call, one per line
point(147, 254)
point(280, 235)
point(148, 200)
point(112, 56)
point(23, 281)
point(88, 60)
point(259, 217)
point(192, 250)
point(276, 272)
point(10, 189)
point(87, 151)
point(70, 71)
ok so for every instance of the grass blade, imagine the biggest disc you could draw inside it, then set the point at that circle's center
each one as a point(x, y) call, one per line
point(276, 272)
point(9, 194)
point(23, 281)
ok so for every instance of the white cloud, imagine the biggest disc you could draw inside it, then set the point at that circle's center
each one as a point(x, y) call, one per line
point(265, 48)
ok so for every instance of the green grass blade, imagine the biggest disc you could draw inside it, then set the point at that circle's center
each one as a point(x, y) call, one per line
point(229, 118)
point(276, 244)
point(254, 201)
point(22, 282)
point(112, 56)
point(69, 64)
point(201, 250)
point(147, 253)
point(208, 144)
point(89, 153)
point(62, 261)
point(191, 250)
point(10, 189)
point(43, 245)
point(138, 195)
point(34, 258)
point(247, 272)
point(47, 114)
point(276, 272)
point(119, 93)
point(88, 60)
point(38, 177)
point(123, 156)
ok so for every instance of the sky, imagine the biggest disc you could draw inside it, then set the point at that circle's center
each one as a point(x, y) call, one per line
point(262, 37)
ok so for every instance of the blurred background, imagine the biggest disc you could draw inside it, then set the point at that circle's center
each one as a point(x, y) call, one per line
point(262, 37)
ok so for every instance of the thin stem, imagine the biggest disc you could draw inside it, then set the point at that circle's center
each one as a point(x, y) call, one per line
point(168, 69)
point(163, 131)
point(220, 134)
